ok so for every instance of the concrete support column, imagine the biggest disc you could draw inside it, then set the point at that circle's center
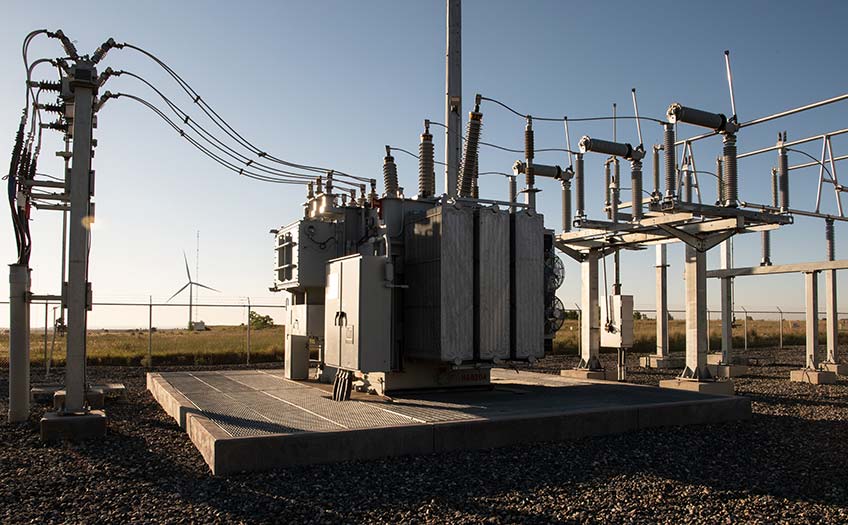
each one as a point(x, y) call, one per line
point(811, 292)
point(662, 301)
point(726, 302)
point(832, 316)
point(695, 275)
point(590, 329)
point(19, 281)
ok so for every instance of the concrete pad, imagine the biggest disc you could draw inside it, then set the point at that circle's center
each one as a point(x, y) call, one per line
point(839, 369)
point(654, 361)
point(814, 377)
point(727, 371)
point(591, 375)
point(43, 393)
point(270, 422)
point(75, 427)
point(94, 397)
point(716, 388)
point(111, 389)
point(714, 358)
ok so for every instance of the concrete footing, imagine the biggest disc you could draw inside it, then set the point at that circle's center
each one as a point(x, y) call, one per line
point(591, 375)
point(716, 388)
point(814, 377)
point(727, 371)
point(76, 427)
point(94, 397)
point(655, 361)
point(839, 369)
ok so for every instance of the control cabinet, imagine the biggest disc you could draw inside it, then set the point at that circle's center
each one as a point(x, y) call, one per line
point(617, 327)
point(358, 314)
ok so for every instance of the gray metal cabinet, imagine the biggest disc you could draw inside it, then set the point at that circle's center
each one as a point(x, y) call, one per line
point(357, 314)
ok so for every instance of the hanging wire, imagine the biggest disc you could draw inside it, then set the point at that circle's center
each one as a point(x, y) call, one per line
point(570, 119)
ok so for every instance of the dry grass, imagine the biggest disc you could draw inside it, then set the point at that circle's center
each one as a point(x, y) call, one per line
point(227, 344)
point(761, 333)
point(219, 345)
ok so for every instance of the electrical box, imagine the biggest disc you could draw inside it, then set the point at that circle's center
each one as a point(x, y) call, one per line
point(302, 250)
point(358, 314)
point(617, 321)
point(306, 319)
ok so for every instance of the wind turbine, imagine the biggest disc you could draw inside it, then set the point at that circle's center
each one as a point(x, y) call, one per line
point(190, 284)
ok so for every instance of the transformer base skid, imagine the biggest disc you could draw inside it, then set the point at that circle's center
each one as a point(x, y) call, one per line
point(251, 420)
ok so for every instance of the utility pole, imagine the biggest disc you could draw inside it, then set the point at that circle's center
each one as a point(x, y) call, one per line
point(453, 98)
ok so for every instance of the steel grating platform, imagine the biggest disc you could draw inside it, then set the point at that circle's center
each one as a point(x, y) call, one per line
point(258, 420)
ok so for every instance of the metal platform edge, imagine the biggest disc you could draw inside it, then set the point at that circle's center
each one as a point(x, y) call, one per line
point(227, 455)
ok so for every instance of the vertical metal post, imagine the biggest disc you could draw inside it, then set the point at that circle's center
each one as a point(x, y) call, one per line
point(590, 322)
point(453, 97)
point(780, 331)
point(745, 330)
point(566, 206)
point(513, 193)
point(46, 314)
point(695, 276)
point(726, 258)
point(19, 281)
point(77, 299)
point(811, 288)
point(150, 331)
point(783, 173)
point(662, 301)
point(830, 297)
point(579, 329)
point(248, 330)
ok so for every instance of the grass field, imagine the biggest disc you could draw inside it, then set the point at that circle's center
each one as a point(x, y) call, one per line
point(228, 344)
point(219, 345)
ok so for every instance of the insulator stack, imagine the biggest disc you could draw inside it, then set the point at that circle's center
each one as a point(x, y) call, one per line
point(529, 154)
point(390, 176)
point(731, 181)
point(687, 183)
point(426, 164)
point(656, 169)
point(566, 206)
point(45, 85)
point(469, 157)
point(670, 162)
point(319, 186)
point(52, 108)
point(513, 193)
point(775, 195)
point(329, 184)
point(309, 190)
point(783, 176)
point(636, 189)
point(579, 188)
point(353, 197)
point(830, 240)
point(765, 238)
point(719, 181)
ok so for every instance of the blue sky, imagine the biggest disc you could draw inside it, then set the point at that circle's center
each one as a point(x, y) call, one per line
point(332, 82)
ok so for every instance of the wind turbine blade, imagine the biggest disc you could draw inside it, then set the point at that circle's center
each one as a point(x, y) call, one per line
point(207, 287)
point(186, 263)
point(178, 292)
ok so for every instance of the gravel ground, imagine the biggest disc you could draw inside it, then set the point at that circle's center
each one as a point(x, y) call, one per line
point(787, 464)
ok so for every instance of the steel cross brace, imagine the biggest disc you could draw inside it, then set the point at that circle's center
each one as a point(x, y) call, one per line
point(700, 243)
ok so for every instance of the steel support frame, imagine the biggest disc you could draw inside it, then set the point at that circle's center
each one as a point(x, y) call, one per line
point(726, 302)
point(662, 301)
point(19, 334)
point(590, 320)
point(811, 292)
point(695, 276)
point(832, 329)
point(77, 289)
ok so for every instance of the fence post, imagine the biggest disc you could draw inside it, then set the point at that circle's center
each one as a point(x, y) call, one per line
point(708, 332)
point(780, 344)
point(745, 329)
point(46, 305)
point(248, 330)
point(150, 332)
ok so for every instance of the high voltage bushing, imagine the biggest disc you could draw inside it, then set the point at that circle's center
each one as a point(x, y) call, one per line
point(513, 193)
point(469, 157)
point(783, 173)
point(529, 154)
point(390, 177)
point(766, 248)
point(566, 205)
point(719, 181)
point(830, 240)
point(731, 187)
point(670, 162)
point(656, 169)
point(636, 188)
point(696, 117)
point(617, 149)
point(775, 195)
point(426, 164)
point(579, 188)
